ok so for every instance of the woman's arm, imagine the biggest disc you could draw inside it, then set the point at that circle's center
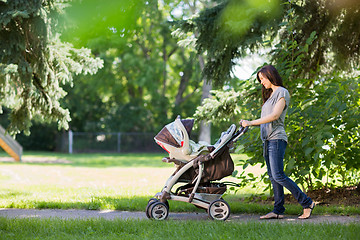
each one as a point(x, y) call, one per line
point(278, 109)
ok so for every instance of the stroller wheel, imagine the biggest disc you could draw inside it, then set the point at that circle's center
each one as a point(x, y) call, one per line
point(159, 211)
point(219, 210)
point(150, 202)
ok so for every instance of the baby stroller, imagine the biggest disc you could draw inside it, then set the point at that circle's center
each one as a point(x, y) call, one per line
point(198, 167)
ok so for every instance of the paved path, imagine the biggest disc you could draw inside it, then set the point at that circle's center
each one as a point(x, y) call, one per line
point(109, 214)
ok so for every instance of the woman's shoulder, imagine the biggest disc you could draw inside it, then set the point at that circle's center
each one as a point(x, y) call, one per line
point(283, 91)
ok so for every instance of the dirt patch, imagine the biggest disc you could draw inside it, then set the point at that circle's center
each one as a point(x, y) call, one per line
point(347, 196)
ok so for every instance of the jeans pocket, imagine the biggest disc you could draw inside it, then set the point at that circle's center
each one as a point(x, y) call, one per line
point(265, 148)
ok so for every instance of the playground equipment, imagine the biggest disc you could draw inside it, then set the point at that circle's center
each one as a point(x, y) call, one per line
point(10, 145)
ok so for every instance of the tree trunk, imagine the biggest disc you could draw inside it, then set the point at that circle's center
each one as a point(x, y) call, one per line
point(205, 128)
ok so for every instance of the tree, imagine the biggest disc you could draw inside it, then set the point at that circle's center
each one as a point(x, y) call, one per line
point(304, 38)
point(147, 79)
point(189, 9)
point(229, 30)
point(35, 63)
point(205, 128)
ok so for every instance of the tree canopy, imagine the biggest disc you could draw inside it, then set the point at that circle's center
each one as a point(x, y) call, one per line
point(35, 63)
point(145, 76)
point(233, 28)
point(147, 79)
point(315, 47)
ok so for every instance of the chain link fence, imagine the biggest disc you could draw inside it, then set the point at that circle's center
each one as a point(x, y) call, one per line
point(117, 142)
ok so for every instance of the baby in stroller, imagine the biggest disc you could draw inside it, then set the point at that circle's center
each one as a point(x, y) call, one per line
point(198, 165)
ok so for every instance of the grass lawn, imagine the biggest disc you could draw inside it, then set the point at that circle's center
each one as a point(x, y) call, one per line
point(145, 229)
point(107, 181)
point(126, 182)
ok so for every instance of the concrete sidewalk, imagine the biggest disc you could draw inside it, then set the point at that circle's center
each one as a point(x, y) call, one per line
point(111, 215)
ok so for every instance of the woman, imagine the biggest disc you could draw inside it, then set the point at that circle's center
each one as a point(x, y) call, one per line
point(276, 100)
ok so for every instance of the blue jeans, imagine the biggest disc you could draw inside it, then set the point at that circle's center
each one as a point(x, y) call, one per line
point(274, 151)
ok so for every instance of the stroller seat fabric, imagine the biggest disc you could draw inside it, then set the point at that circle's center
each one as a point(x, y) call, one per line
point(225, 136)
point(175, 139)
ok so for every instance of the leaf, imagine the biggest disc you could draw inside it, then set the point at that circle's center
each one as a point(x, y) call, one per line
point(305, 141)
point(311, 38)
point(245, 165)
point(308, 151)
point(291, 164)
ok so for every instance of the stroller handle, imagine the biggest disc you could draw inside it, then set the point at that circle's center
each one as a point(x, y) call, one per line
point(233, 139)
point(240, 132)
point(243, 129)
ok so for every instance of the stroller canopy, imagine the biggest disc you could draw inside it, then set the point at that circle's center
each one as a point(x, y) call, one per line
point(171, 134)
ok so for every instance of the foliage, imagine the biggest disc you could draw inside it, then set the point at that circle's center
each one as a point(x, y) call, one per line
point(336, 25)
point(35, 63)
point(322, 118)
point(92, 19)
point(229, 30)
point(147, 79)
point(324, 131)
point(233, 28)
point(218, 108)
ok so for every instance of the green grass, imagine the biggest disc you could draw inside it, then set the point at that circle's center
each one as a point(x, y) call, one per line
point(146, 229)
point(89, 181)
point(98, 160)
point(110, 181)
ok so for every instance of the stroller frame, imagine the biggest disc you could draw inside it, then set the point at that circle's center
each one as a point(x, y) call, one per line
point(217, 208)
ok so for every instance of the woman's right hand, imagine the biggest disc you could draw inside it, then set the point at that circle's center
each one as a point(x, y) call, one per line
point(245, 123)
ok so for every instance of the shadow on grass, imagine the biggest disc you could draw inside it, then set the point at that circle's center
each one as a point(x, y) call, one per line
point(138, 203)
point(11, 194)
point(97, 160)
point(14, 199)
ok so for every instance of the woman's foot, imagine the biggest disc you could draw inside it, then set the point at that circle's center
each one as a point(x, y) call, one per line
point(307, 211)
point(272, 215)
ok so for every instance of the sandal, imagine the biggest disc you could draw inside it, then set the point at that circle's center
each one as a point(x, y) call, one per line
point(272, 215)
point(311, 207)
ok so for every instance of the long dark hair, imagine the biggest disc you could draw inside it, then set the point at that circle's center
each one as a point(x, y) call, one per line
point(270, 72)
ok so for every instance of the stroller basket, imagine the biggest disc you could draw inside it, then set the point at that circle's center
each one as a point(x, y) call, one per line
point(210, 188)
